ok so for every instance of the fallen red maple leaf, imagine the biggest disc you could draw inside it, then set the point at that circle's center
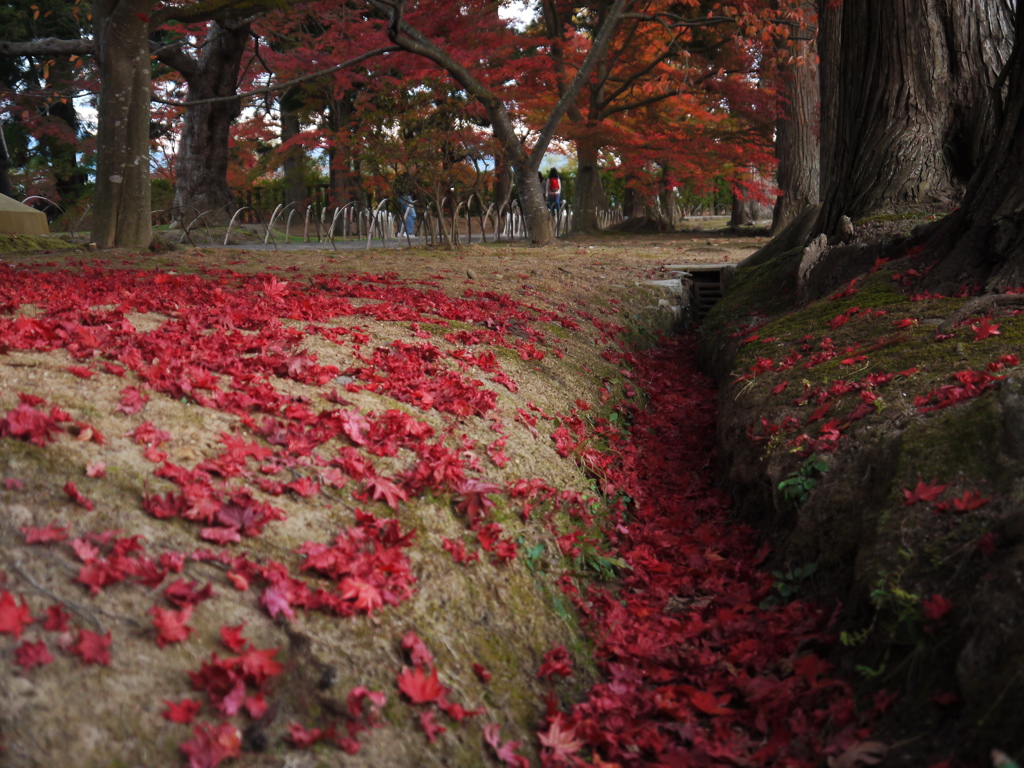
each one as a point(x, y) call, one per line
point(182, 593)
point(27, 423)
point(384, 489)
point(212, 744)
point(13, 617)
point(431, 728)
point(35, 535)
point(984, 329)
point(420, 686)
point(232, 637)
point(56, 619)
point(275, 600)
point(418, 652)
point(707, 702)
point(473, 500)
point(504, 752)
point(556, 662)
point(132, 401)
point(77, 496)
point(301, 738)
point(92, 648)
point(923, 492)
point(183, 711)
point(457, 549)
point(170, 624)
point(29, 655)
point(560, 738)
point(147, 434)
point(259, 665)
point(970, 501)
point(364, 595)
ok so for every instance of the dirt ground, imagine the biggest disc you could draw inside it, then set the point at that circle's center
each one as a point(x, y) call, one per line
point(90, 472)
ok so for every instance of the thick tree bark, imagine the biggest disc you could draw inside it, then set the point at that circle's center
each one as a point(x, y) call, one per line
point(588, 194)
point(202, 165)
point(344, 182)
point(121, 209)
point(902, 82)
point(294, 170)
point(984, 239)
point(797, 146)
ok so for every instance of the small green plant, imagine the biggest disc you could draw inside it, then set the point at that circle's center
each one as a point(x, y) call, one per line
point(853, 639)
point(789, 582)
point(533, 556)
point(798, 486)
point(603, 567)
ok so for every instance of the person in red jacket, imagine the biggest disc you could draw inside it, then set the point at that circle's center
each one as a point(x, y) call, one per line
point(554, 191)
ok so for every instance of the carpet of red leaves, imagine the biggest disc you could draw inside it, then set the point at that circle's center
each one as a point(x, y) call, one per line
point(695, 672)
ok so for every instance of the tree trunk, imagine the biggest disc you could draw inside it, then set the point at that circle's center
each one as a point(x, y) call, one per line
point(897, 78)
point(984, 239)
point(588, 195)
point(293, 165)
point(5, 165)
point(344, 181)
point(534, 204)
point(121, 211)
point(744, 212)
point(797, 146)
point(667, 199)
point(503, 181)
point(202, 167)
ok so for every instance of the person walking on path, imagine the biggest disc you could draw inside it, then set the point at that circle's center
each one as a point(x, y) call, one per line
point(554, 191)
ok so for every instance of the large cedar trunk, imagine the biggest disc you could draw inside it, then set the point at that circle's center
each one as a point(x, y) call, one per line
point(984, 239)
point(588, 195)
point(902, 85)
point(202, 166)
point(122, 202)
point(797, 146)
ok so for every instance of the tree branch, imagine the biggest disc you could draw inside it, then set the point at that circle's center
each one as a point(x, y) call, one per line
point(597, 50)
point(48, 46)
point(281, 86)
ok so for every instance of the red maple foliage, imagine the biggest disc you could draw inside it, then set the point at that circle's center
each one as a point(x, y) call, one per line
point(92, 648)
point(183, 711)
point(170, 624)
point(556, 662)
point(13, 617)
point(211, 745)
point(420, 684)
point(29, 655)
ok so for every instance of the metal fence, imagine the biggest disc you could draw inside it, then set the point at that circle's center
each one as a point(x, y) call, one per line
point(453, 222)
